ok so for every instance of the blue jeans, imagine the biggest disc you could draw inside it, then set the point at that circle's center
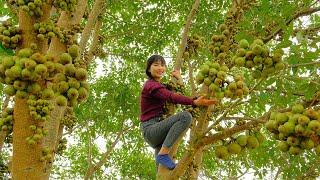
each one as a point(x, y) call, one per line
point(158, 133)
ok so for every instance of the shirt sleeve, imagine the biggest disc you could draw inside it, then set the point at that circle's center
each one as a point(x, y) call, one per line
point(159, 91)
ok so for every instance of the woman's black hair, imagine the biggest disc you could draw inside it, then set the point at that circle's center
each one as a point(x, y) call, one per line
point(152, 59)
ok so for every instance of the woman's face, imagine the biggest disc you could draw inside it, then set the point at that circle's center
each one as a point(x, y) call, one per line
point(157, 70)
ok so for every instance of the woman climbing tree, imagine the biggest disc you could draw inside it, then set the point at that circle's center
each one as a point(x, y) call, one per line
point(161, 133)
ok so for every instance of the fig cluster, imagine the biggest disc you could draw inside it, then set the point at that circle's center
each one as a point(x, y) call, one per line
point(237, 88)
point(214, 75)
point(239, 144)
point(47, 30)
point(220, 43)
point(62, 146)
point(193, 44)
point(23, 72)
point(257, 57)
point(37, 134)
point(40, 78)
point(69, 119)
point(233, 17)
point(71, 84)
point(40, 109)
point(177, 87)
point(166, 110)
point(65, 5)
point(296, 130)
point(194, 111)
point(68, 35)
point(46, 155)
point(32, 7)
point(9, 35)
point(6, 120)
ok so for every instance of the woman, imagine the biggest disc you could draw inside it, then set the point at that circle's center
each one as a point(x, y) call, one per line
point(162, 134)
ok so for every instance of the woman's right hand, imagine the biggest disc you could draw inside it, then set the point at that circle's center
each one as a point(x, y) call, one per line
point(201, 101)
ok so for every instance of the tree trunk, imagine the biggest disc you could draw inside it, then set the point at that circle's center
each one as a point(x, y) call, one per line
point(26, 162)
point(26, 158)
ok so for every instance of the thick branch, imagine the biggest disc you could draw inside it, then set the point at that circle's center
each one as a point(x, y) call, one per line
point(95, 12)
point(228, 132)
point(66, 21)
point(79, 12)
point(184, 38)
point(89, 55)
point(295, 16)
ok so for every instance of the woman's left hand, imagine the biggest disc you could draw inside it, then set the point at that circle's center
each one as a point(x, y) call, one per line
point(201, 101)
point(176, 74)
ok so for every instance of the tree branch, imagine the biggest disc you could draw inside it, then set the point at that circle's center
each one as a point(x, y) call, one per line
point(105, 155)
point(89, 159)
point(242, 173)
point(95, 12)
point(295, 16)
point(240, 118)
point(304, 64)
point(185, 33)
point(307, 30)
point(278, 173)
point(164, 173)
point(89, 55)
point(66, 21)
point(229, 132)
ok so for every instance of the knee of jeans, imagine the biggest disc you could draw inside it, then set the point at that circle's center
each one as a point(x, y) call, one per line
point(187, 117)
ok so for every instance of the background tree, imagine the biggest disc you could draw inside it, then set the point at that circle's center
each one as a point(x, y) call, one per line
point(104, 139)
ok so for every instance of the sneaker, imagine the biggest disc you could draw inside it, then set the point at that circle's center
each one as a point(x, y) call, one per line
point(166, 161)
